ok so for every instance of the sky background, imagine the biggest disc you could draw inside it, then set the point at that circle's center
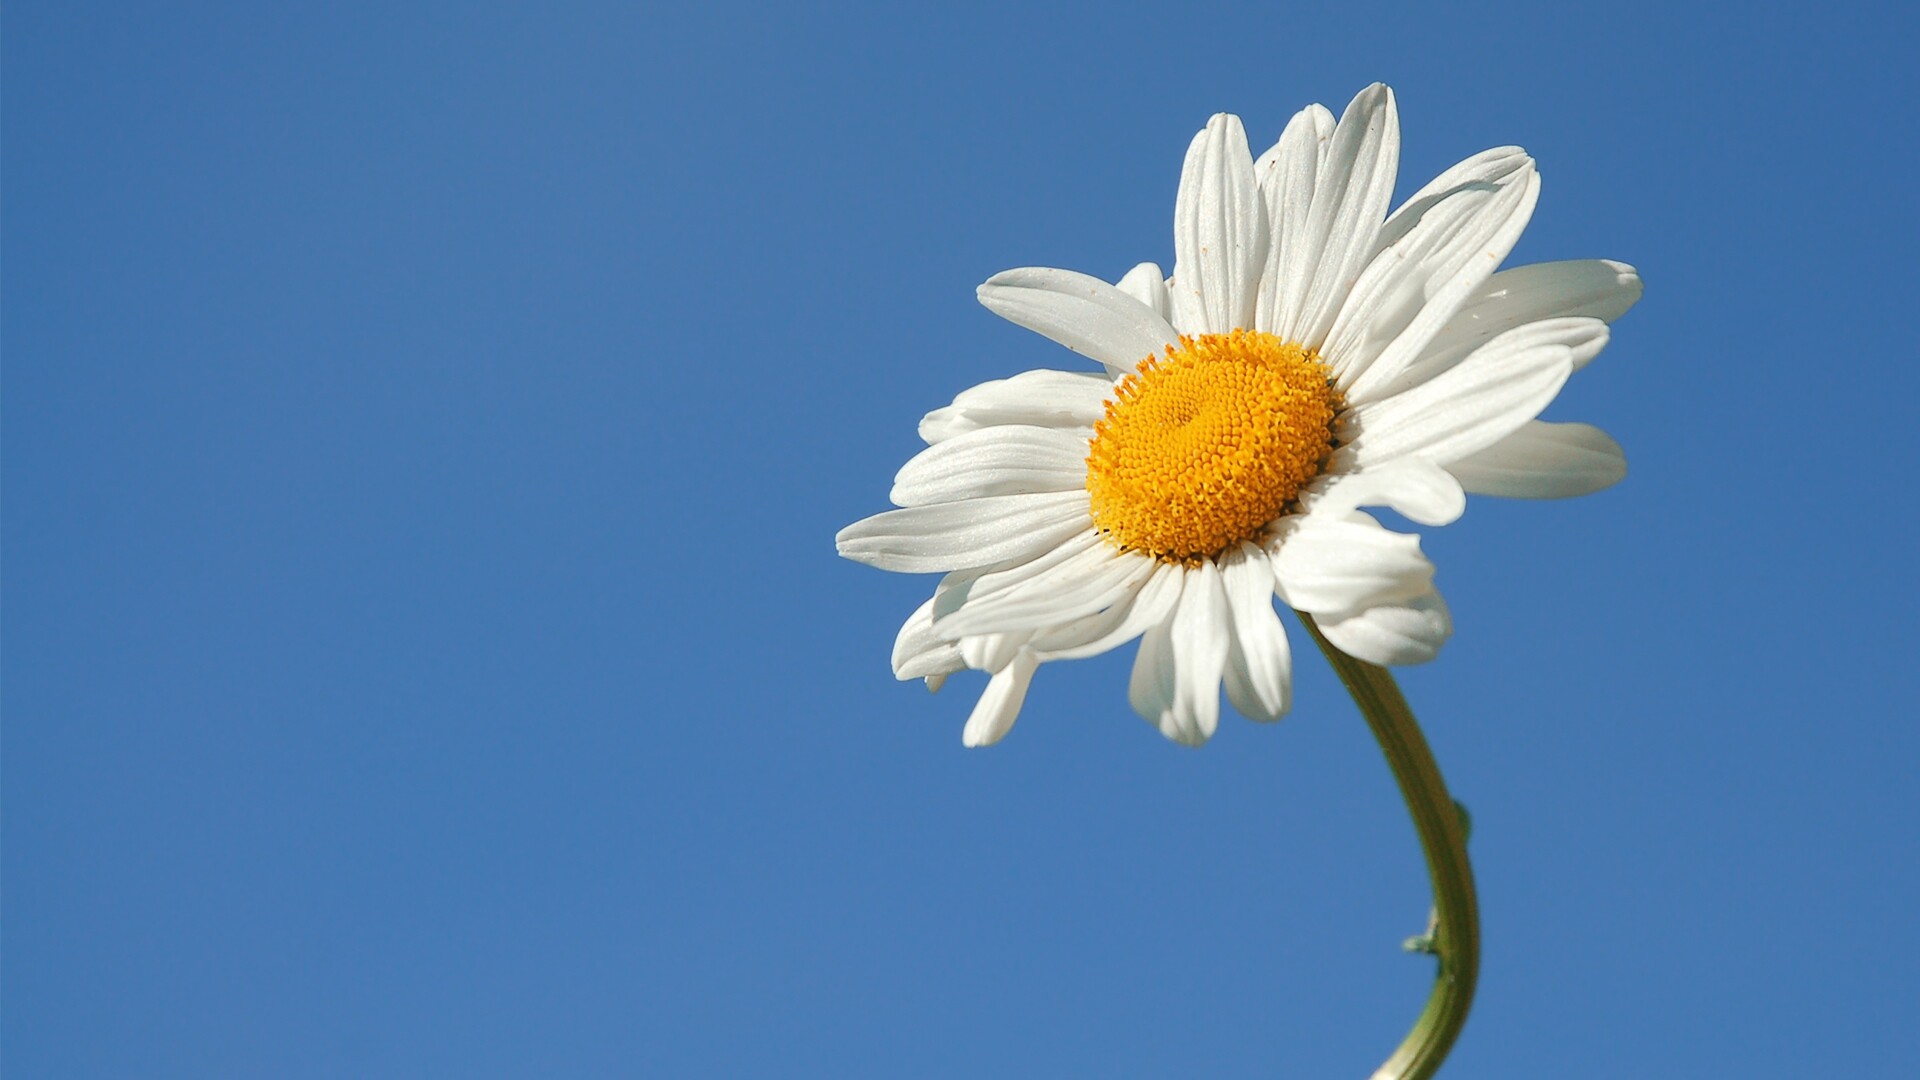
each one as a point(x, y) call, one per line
point(425, 428)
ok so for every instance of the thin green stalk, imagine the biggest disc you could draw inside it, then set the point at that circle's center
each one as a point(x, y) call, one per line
point(1443, 838)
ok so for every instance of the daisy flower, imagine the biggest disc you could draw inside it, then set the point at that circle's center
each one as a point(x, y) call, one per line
point(1310, 356)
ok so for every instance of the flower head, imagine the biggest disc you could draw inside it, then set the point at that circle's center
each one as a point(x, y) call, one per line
point(1310, 355)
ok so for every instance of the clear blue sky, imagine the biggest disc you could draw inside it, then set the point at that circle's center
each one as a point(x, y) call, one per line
point(425, 431)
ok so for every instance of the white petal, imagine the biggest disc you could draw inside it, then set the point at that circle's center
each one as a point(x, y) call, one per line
point(1450, 246)
point(1084, 585)
point(1119, 624)
point(1219, 232)
point(918, 653)
point(963, 587)
point(952, 590)
point(1150, 689)
point(1591, 288)
point(1414, 487)
point(1148, 285)
point(1288, 175)
point(1082, 312)
point(1065, 400)
point(999, 704)
point(991, 652)
point(1584, 335)
point(1007, 460)
point(1337, 567)
point(1396, 634)
point(1544, 461)
point(1259, 671)
point(1201, 641)
point(1470, 407)
point(977, 532)
point(1350, 199)
point(1493, 166)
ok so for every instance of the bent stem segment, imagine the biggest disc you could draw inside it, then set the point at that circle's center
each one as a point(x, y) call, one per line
point(1443, 838)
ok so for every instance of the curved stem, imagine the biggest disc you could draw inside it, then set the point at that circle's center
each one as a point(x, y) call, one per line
point(1443, 838)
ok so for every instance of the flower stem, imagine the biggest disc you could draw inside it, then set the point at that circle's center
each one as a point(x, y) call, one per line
point(1443, 838)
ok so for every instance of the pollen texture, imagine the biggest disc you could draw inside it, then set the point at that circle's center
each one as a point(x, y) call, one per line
point(1201, 448)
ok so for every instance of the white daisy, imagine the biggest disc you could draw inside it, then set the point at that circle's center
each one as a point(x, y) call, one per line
point(1311, 355)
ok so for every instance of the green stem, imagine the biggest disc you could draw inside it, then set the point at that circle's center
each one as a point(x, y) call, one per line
point(1443, 838)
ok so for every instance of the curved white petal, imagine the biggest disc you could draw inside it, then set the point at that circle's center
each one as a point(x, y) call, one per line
point(1414, 487)
point(1590, 288)
point(991, 652)
point(999, 705)
point(1493, 166)
point(1544, 461)
point(1470, 407)
point(1148, 285)
point(964, 586)
point(1080, 311)
point(1288, 175)
point(1219, 232)
point(1086, 584)
point(1350, 197)
point(1259, 672)
point(1336, 567)
point(1394, 634)
point(1066, 400)
point(1150, 688)
point(1149, 606)
point(953, 587)
point(1007, 460)
point(919, 653)
point(977, 532)
point(1201, 640)
point(1583, 335)
point(1448, 247)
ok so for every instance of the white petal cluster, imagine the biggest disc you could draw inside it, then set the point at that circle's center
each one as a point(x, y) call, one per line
point(1443, 365)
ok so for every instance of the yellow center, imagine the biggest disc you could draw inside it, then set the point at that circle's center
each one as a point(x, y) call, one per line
point(1202, 448)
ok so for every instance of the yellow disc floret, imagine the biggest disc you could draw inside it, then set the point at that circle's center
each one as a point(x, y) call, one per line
point(1200, 449)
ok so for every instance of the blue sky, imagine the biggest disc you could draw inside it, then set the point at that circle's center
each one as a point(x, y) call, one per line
point(425, 427)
